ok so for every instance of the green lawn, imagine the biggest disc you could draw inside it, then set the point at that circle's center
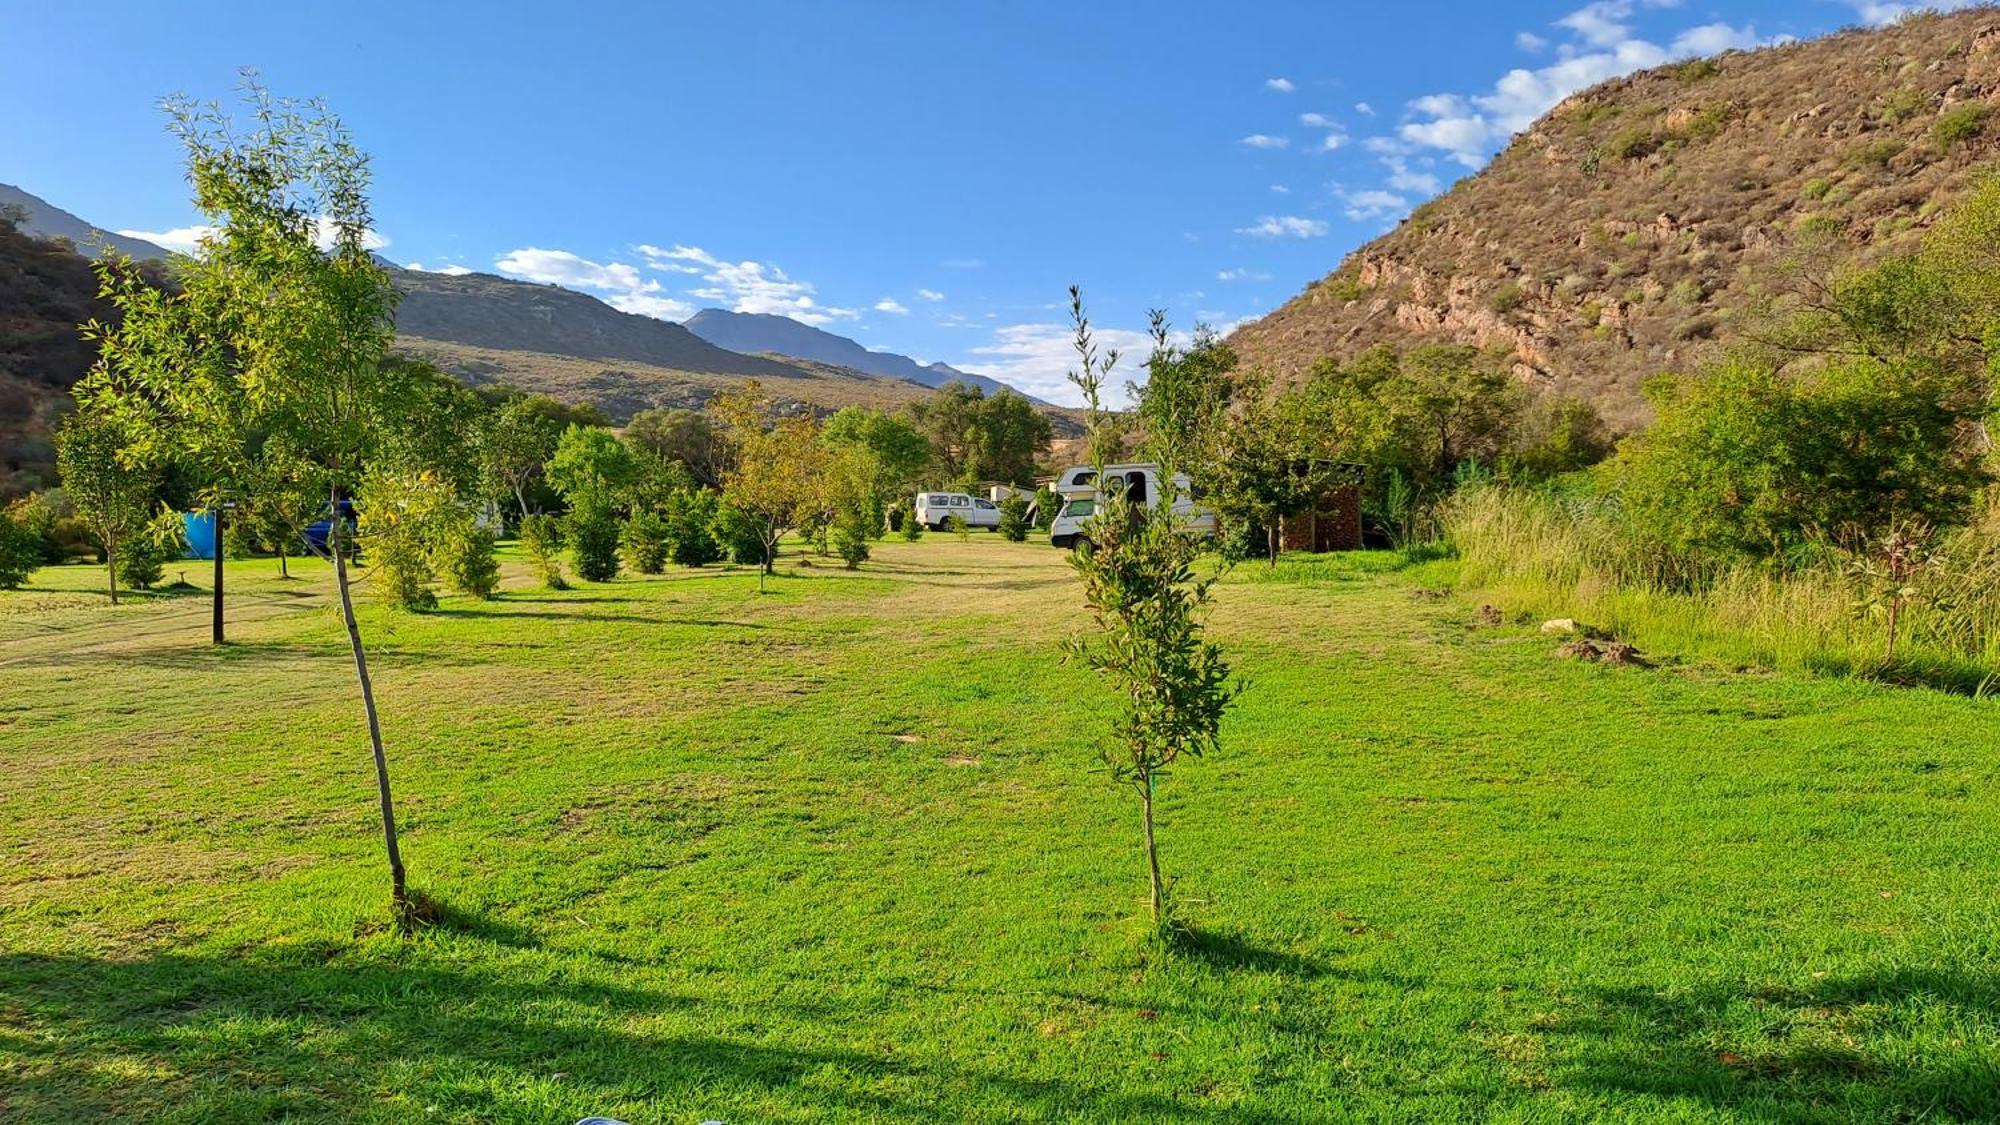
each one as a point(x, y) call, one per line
point(839, 852)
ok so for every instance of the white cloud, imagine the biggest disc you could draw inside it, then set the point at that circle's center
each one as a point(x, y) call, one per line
point(1281, 85)
point(452, 270)
point(1281, 189)
point(664, 308)
point(748, 286)
point(560, 267)
point(1284, 226)
point(184, 240)
point(1364, 109)
point(660, 259)
point(1530, 42)
point(892, 306)
point(1373, 203)
point(930, 294)
point(1332, 142)
point(1242, 275)
point(1404, 178)
point(1318, 121)
point(1037, 359)
point(181, 240)
point(1263, 140)
point(1715, 38)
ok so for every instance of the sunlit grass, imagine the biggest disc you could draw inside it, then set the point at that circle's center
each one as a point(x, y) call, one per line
point(840, 851)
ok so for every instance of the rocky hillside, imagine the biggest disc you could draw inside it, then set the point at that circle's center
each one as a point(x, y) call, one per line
point(765, 332)
point(1641, 219)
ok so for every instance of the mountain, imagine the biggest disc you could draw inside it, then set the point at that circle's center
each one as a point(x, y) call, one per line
point(45, 220)
point(46, 290)
point(781, 335)
point(1642, 218)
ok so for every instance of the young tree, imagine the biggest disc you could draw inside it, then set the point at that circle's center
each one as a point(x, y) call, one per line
point(776, 479)
point(305, 313)
point(1185, 399)
point(111, 495)
point(1139, 582)
point(688, 437)
point(515, 445)
point(594, 471)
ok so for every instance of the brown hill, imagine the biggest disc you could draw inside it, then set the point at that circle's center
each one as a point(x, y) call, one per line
point(1639, 218)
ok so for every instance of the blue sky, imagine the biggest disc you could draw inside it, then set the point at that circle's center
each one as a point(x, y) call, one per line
point(924, 177)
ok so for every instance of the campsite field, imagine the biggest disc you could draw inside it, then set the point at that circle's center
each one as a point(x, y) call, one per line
point(838, 852)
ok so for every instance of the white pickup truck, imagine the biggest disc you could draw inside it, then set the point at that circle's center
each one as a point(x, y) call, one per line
point(934, 508)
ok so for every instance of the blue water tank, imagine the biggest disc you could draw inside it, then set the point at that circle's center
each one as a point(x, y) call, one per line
point(200, 531)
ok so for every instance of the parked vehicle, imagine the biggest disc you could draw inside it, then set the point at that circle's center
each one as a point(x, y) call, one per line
point(934, 508)
point(1078, 487)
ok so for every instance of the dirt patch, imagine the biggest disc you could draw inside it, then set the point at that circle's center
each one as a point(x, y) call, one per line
point(960, 760)
point(1598, 651)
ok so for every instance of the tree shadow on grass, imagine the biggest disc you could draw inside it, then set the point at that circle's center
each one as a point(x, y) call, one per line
point(1228, 952)
point(1901, 1044)
point(335, 1033)
point(612, 618)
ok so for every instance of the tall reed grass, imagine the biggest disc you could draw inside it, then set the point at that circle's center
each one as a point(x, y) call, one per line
point(1578, 557)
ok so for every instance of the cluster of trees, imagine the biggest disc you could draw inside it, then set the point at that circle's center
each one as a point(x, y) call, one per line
point(1417, 422)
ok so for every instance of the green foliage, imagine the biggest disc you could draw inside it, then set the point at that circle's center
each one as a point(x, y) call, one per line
point(1901, 105)
point(110, 494)
point(1696, 70)
point(900, 451)
point(592, 534)
point(852, 530)
point(406, 518)
point(976, 438)
point(20, 551)
point(739, 534)
point(685, 437)
point(592, 469)
point(955, 524)
point(1632, 143)
point(1816, 189)
point(542, 538)
point(1556, 435)
point(1507, 298)
point(913, 528)
point(1875, 154)
point(647, 542)
point(690, 518)
point(1172, 685)
point(1185, 397)
point(1014, 519)
point(778, 480)
point(466, 556)
point(1047, 504)
point(1959, 124)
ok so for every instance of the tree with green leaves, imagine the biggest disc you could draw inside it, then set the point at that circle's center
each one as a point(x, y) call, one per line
point(900, 452)
point(302, 317)
point(595, 472)
point(20, 551)
point(974, 437)
point(775, 483)
point(112, 494)
point(1148, 604)
point(688, 437)
point(1185, 399)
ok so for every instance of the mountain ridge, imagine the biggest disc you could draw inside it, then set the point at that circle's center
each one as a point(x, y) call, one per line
point(756, 333)
point(46, 220)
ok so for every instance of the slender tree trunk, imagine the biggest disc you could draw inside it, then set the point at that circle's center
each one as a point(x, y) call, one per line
point(399, 890)
point(1271, 542)
point(215, 624)
point(521, 498)
point(1158, 900)
point(284, 568)
point(111, 565)
point(1895, 611)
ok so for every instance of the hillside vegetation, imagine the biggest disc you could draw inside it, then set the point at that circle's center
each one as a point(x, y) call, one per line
point(1648, 215)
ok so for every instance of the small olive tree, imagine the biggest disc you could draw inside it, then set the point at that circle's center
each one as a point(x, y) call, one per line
point(775, 483)
point(1148, 605)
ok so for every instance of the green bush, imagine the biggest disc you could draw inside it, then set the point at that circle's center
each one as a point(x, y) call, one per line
point(1959, 124)
point(646, 542)
point(913, 529)
point(1507, 298)
point(690, 516)
point(1047, 504)
point(141, 563)
point(956, 524)
point(1632, 143)
point(593, 543)
point(542, 542)
point(20, 552)
point(738, 536)
point(1014, 519)
point(852, 529)
point(468, 561)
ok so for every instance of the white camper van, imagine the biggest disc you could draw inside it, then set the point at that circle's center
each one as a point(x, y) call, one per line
point(934, 508)
point(1078, 487)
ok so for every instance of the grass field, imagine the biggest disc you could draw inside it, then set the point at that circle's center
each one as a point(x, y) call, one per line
point(839, 852)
